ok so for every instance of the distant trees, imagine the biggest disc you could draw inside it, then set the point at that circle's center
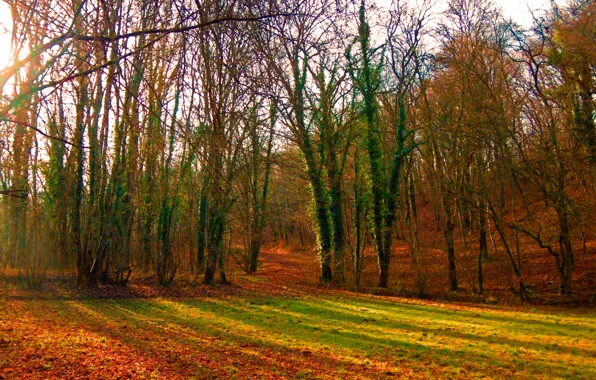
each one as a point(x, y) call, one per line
point(161, 138)
point(299, 50)
point(366, 74)
point(254, 179)
point(474, 109)
point(554, 159)
point(126, 118)
point(385, 106)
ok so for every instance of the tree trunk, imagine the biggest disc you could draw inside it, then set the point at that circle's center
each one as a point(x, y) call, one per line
point(448, 232)
point(202, 232)
point(321, 212)
point(524, 296)
point(483, 252)
point(358, 216)
point(214, 246)
point(565, 248)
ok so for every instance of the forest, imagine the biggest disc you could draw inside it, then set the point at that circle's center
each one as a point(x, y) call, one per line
point(297, 188)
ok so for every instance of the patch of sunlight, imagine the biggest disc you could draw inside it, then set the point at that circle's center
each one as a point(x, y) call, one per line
point(358, 332)
point(257, 279)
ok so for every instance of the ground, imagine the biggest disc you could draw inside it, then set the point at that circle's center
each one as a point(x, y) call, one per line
point(279, 324)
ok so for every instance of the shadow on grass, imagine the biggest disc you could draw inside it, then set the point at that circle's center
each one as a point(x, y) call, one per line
point(395, 316)
point(234, 336)
point(290, 326)
point(221, 351)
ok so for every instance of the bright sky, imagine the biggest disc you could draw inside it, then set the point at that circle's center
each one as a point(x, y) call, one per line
point(5, 22)
point(518, 10)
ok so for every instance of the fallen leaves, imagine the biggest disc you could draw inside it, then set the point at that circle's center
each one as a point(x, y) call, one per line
point(276, 329)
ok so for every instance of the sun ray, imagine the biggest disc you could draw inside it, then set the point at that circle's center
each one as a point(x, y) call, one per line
point(5, 27)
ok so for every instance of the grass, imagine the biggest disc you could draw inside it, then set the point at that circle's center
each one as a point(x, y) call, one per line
point(328, 336)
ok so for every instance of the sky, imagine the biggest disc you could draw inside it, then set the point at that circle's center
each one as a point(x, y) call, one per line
point(518, 10)
point(4, 37)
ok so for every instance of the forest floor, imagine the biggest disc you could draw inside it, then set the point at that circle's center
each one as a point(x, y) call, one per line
point(279, 324)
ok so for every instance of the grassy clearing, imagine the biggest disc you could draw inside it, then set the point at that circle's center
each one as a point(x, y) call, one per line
point(327, 336)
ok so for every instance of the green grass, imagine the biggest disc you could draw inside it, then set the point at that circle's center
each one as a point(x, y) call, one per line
point(338, 337)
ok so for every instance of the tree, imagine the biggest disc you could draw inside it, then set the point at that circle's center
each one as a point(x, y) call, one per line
point(289, 61)
point(551, 156)
point(254, 182)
